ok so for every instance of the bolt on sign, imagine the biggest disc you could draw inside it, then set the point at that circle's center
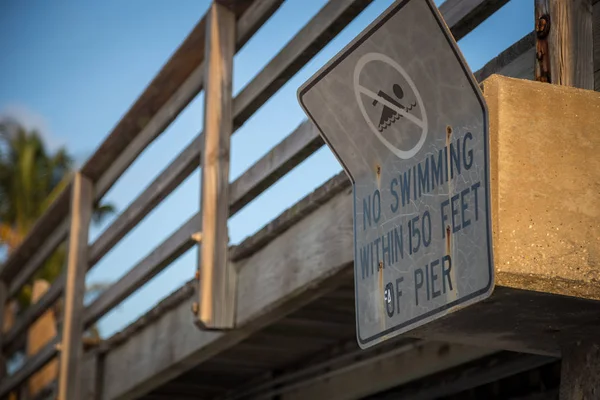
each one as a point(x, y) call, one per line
point(404, 116)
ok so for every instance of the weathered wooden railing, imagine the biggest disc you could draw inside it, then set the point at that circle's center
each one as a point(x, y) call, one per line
point(200, 62)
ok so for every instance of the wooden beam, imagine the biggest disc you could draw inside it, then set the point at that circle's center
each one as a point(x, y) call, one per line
point(382, 372)
point(168, 251)
point(331, 19)
point(580, 371)
point(517, 61)
point(464, 377)
point(254, 16)
point(310, 267)
point(72, 331)
point(462, 16)
point(217, 276)
point(163, 96)
point(302, 142)
point(187, 161)
point(37, 236)
point(282, 158)
point(290, 217)
point(565, 42)
point(168, 180)
point(188, 57)
point(532, 301)
point(164, 184)
point(186, 62)
point(91, 375)
point(325, 25)
point(45, 251)
point(32, 365)
point(15, 336)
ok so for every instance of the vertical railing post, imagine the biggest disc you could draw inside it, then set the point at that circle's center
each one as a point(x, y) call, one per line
point(564, 43)
point(217, 276)
point(72, 332)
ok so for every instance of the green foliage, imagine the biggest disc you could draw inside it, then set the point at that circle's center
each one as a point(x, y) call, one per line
point(31, 178)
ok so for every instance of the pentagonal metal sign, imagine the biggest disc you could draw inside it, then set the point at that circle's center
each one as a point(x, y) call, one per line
point(403, 114)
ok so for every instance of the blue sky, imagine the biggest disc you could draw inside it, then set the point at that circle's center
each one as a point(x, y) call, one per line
point(72, 69)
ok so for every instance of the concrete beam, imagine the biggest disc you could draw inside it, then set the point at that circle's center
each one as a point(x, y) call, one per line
point(546, 220)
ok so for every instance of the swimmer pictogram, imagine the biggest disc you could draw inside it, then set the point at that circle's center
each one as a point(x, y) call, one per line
point(393, 106)
point(388, 115)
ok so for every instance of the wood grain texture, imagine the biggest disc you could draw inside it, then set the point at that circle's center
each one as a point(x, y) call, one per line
point(32, 365)
point(462, 16)
point(517, 61)
point(164, 184)
point(180, 241)
point(282, 158)
point(3, 298)
point(315, 35)
point(163, 95)
point(185, 163)
point(39, 233)
point(167, 181)
point(164, 254)
point(290, 152)
point(72, 331)
point(515, 319)
point(217, 294)
point(580, 371)
point(571, 43)
point(493, 368)
point(291, 216)
point(14, 338)
point(393, 368)
point(43, 252)
point(91, 375)
point(504, 61)
point(312, 38)
point(253, 17)
point(295, 268)
point(596, 33)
